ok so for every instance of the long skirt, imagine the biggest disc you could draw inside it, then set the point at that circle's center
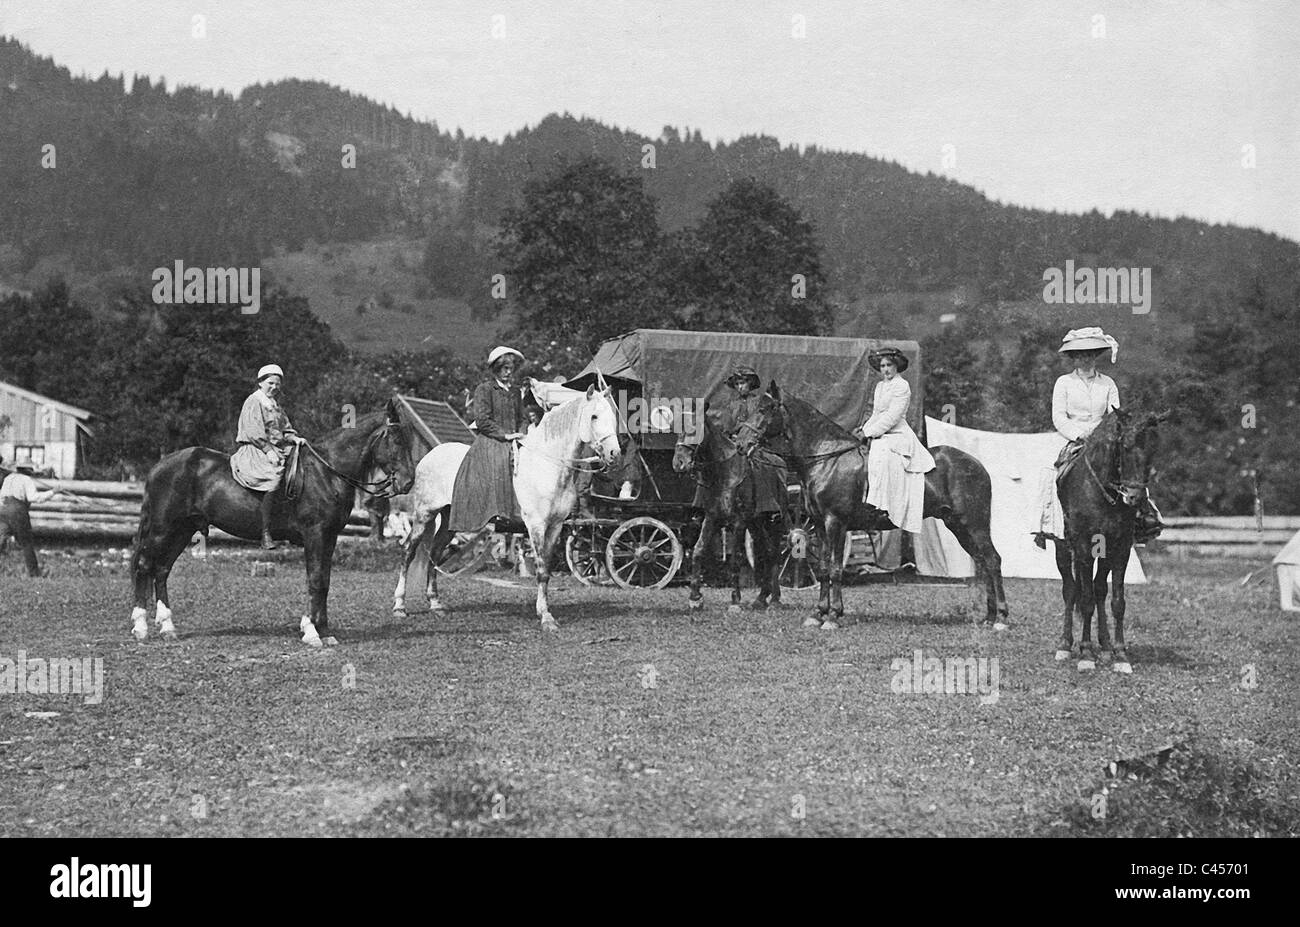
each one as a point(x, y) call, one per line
point(891, 488)
point(256, 469)
point(484, 486)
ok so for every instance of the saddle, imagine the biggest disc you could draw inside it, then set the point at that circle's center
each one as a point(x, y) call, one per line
point(1066, 460)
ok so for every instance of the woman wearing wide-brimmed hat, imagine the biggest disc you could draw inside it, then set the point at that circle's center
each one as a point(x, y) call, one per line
point(1080, 400)
point(484, 488)
point(767, 489)
point(898, 461)
point(265, 438)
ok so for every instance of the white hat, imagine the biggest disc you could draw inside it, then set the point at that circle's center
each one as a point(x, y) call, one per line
point(1088, 339)
point(268, 370)
point(500, 351)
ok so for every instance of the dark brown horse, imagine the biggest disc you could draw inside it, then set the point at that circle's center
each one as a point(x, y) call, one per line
point(192, 489)
point(833, 466)
point(1100, 493)
point(724, 475)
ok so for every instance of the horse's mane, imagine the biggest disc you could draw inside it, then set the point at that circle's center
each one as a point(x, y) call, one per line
point(830, 428)
point(364, 425)
point(560, 421)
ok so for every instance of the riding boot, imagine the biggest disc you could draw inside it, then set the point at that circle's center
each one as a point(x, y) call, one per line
point(583, 484)
point(267, 501)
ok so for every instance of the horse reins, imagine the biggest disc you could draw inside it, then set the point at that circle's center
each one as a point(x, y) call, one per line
point(381, 489)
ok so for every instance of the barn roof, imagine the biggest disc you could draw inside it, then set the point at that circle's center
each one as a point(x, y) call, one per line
point(435, 422)
point(46, 401)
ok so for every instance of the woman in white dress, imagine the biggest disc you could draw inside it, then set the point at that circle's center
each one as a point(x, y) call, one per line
point(1080, 400)
point(898, 461)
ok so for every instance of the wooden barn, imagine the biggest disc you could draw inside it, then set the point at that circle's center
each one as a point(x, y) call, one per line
point(41, 430)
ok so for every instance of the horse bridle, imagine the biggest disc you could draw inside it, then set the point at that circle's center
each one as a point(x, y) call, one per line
point(383, 489)
point(806, 458)
point(1120, 491)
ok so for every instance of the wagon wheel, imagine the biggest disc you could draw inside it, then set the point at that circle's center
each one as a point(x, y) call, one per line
point(797, 572)
point(643, 552)
point(582, 552)
point(465, 552)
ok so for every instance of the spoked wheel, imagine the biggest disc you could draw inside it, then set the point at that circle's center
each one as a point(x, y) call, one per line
point(583, 551)
point(801, 552)
point(644, 553)
point(465, 552)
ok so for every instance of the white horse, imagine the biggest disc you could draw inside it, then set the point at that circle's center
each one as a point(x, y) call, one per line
point(546, 467)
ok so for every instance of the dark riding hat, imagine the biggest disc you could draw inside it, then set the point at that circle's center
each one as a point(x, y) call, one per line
point(741, 372)
point(897, 356)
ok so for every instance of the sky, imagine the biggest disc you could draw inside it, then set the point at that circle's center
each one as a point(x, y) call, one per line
point(1172, 107)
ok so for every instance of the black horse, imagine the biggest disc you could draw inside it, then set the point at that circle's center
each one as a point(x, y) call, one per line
point(1100, 492)
point(833, 467)
point(191, 489)
point(724, 475)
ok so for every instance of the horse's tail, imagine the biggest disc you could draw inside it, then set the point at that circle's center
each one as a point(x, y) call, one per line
point(142, 530)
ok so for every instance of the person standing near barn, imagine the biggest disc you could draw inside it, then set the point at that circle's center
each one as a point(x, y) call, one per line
point(18, 492)
point(1080, 400)
point(897, 460)
point(265, 438)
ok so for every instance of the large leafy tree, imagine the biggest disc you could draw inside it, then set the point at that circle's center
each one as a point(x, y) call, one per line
point(581, 256)
point(752, 264)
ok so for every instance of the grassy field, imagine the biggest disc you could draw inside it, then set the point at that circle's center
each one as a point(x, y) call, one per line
point(636, 720)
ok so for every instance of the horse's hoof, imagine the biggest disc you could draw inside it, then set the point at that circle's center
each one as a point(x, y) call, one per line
point(168, 634)
point(313, 641)
point(1125, 668)
point(759, 605)
point(695, 604)
point(1087, 665)
point(1001, 626)
point(438, 609)
point(733, 609)
point(829, 625)
point(140, 632)
point(400, 613)
point(1062, 656)
point(812, 623)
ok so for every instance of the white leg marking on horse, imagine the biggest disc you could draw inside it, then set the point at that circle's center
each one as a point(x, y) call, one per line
point(140, 618)
point(829, 625)
point(1062, 655)
point(1086, 665)
point(1001, 626)
point(812, 622)
point(1124, 668)
point(164, 621)
point(309, 635)
point(435, 605)
point(695, 604)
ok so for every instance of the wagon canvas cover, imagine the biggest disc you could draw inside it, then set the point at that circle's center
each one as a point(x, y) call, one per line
point(831, 373)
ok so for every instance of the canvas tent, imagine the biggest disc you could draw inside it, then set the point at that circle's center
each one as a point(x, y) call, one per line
point(831, 373)
point(1286, 569)
point(1014, 462)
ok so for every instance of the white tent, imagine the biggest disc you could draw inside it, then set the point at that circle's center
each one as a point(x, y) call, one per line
point(1015, 463)
point(1286, 567)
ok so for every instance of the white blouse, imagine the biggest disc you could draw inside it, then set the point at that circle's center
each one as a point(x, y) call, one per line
point(1078, 404)
point(889, 408)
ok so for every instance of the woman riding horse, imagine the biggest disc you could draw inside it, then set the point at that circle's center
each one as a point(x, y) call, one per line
point(764, 493)
point(484, 490)
point(1080, 400)
point(898, 461)
point(265, 438)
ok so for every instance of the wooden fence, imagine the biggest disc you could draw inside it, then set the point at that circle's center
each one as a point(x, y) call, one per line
point(1226, 536)
point(87, 510)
